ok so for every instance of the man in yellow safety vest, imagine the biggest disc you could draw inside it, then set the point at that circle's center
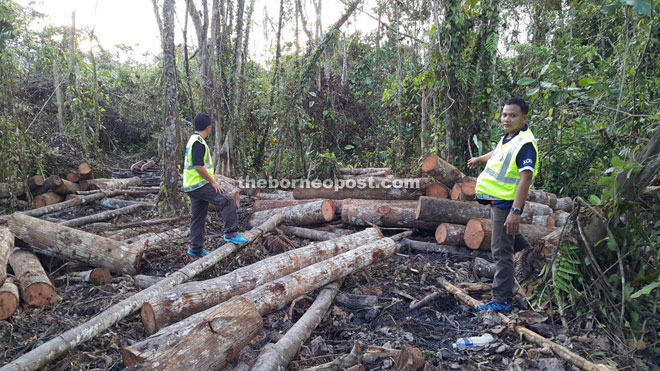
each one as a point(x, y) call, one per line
point(202, 188)
point(504, 184)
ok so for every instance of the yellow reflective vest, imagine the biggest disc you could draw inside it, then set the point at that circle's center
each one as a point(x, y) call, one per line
point(499, 181)
point(191, 178)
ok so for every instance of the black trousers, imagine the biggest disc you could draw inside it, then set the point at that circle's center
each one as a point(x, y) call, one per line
point(199, 206)
point(503, 246)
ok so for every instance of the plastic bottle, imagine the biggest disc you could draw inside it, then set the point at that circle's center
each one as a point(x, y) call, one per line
point(473, 342)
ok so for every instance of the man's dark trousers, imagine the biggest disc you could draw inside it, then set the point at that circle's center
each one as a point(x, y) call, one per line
point(503, 245)
point(199, 206)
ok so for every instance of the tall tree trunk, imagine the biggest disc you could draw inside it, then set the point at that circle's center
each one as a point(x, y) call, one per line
point(58, 96)
point(186, 63)
point(238, 61)
point(173, 202)
point(95, 85)
point(219, 39)
point(423, 125)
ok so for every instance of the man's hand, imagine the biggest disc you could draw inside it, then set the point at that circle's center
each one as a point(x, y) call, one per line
point(511, 224)
point(474, 162)
point(217, 187)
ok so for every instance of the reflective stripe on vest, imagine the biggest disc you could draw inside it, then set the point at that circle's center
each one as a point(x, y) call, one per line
point(191, 178)
point(500, 179)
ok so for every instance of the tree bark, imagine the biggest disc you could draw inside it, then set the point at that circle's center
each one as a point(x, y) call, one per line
point(196, 343)
point(96, 276)
point(6, 249)
point(282, 195)
point(439, 190)
point(188, 299)
point(36, 288)
point(147, 165)
point(59, 97)
point(172, 197)
point(142, 281)
point(440, 210)
point(46, 199)
point(261, 205)
point(561, 218)
point(9, 298)
point(442, 170)
point(42, 355)
point(104, 215)
point(117, 203)
point(310, 213)
point(310, 234)
point(151, 240)
point(478, 233)
point(102, 183)
point(450, 234)
point(12, 189)
point(541, 197)
point(137, 165)
point(565, 204)
point(73, 244)
point(544, 220)
point(67, 187)
point(85, 171)
point(428, 247)
point(373, 189)
point(279, 355)
point(383, 214)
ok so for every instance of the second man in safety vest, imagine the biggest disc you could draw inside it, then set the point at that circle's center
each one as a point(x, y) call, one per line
point(202, 188)
point(504, 184)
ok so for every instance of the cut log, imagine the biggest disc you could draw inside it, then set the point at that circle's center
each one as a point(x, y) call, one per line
point(362, 170)
point(67, 188)
point(305, 214)
point(102, 183)
point(464, 191)
point(478, 234)
point(542, 197)
point(136, 166)
point(450, 234)
point(278, 356)
point(142, 281)
point(440, 210)
point(36, 289)
point(12, 189)
point(85, 171)
point(195, 297)
point(73, 177)
point(544, 220)
point(50, 183)
point(6, 249)
point(105, 215)
point(261, 205)
point(438, 190)
point(442, 170)
point(47, 199)
point(141, 223)
point(483, 268)
point(310, 234)
point(73, 244)
point(410, 359)
point(383, 214)
point(537, 208)
point(282, 195)
point(153, 240)
point(372, 189)
point(14, 203)
point(35, 182)
point(564, 204)
point(379, 174)
point(52, 349)
point(368, 354)
point(561, 218)
point(196, 342)
point(428, 247)
point(148, 165)
point(9, 298)
point(116, 203)
point(96, 276)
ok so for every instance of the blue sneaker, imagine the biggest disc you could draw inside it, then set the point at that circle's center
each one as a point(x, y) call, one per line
point(197, 254)
point(237, 239)
point(495, 306)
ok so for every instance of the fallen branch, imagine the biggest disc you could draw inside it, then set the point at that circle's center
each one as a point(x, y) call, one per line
point(278, 355)
point(532, 336)
point(47, 352)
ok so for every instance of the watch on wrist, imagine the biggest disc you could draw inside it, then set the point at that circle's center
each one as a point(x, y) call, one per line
point(516, 210)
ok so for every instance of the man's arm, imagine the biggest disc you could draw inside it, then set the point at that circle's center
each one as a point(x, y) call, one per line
point(475, 161)
point(513, 220)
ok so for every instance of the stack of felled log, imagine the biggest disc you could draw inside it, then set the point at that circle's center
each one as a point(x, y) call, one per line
point(55, 189)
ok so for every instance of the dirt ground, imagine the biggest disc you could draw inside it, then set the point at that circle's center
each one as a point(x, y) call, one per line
point(396, 282)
